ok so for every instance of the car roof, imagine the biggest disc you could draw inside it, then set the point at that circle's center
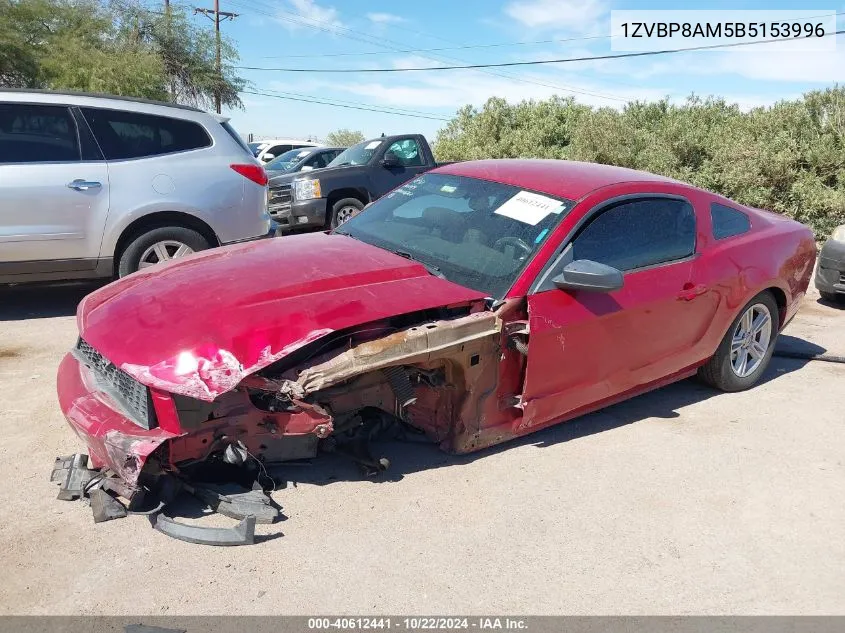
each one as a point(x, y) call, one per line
point(561, 178)
point(393, 137)
point(93, 99)
point(289, 141)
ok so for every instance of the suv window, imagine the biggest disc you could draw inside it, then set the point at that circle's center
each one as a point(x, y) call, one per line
point(639, 233)
point(37, 134)
point(408, 152)
point(728, 222)
point(123, 134)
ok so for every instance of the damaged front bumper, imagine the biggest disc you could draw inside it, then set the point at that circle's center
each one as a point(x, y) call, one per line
point(114, 441)
point(434, 378)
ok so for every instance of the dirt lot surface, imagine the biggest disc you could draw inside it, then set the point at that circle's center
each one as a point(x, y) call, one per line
point(680, 501)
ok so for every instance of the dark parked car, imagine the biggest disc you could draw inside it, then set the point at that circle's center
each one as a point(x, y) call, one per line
point(830, 275)
point(359, 175)
point(302, 159)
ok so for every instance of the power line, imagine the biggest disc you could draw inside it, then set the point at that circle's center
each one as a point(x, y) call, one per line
point(346, 101)
point(386, 43)
point(475, 46)
point(535, 62)
point(444, 48)
point(348, 107)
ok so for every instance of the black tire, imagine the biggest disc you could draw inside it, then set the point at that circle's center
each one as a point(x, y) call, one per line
point(340, 208)
point(130, 259)
point(832, 297)
point(719, 372)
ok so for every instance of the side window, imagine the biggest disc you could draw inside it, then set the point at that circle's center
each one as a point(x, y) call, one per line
point(639, 233)
point(132, 135)
point(408, 152)
point(317, 161)
point(728, 222)
point(278, 150)
point(37, 134)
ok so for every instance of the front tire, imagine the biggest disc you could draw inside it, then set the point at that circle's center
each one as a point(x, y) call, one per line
point(344, 209)
point(747, 347)
point(158, 245)
point(832, 297)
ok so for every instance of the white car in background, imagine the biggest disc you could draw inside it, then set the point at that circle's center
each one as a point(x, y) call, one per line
point(98, 186)
point(268, 149)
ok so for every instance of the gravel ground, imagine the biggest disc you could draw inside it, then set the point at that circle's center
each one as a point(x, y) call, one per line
point(680, 501)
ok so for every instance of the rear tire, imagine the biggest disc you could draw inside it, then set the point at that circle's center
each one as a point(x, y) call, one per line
point(160, 244)
point(734, 366)
point(832, 297)
point(344, 209)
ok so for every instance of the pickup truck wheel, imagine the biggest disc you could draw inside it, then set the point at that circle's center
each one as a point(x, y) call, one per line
point(159, 245)
point(747, 347)
point(344, 209)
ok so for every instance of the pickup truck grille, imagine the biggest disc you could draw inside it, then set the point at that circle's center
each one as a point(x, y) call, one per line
point(133, 397)
point(280, 200)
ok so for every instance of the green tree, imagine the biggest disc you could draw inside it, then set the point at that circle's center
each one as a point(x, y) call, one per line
point(788, 158)
point(119, 47)
point(344, 137)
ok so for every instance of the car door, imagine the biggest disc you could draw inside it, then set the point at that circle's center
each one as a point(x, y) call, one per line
point(54, 190)
point(586, 347)
point(411, 163)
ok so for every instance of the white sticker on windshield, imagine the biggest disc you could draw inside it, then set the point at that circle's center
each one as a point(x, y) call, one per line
point(448, 189)
point(529, 207)
point(372, 145)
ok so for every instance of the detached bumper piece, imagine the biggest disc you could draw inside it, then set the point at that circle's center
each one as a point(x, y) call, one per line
point(242, 534)
point(102, 488)
point(72, 475)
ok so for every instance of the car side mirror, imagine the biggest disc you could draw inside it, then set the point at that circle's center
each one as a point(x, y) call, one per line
point(268, 157)
point(585, 274)
point(390, 160)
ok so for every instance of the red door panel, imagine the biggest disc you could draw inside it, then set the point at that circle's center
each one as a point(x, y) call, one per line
point(585, 347)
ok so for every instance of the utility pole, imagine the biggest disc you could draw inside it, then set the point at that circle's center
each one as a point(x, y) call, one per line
point(168, 19)
point(217, 14)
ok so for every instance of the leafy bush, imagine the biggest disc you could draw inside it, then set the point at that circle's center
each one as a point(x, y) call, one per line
point(788, 158)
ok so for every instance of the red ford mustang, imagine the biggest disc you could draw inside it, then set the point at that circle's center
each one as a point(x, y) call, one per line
point(479, 302)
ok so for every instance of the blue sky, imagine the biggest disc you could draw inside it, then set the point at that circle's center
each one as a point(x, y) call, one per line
point(301, 33)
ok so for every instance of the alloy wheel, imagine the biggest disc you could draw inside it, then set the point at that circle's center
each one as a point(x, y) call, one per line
point(751, 339)
point(163, 251)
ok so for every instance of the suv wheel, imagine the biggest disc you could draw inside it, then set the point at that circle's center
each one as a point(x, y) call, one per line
point(344, 209)
point(159, 245)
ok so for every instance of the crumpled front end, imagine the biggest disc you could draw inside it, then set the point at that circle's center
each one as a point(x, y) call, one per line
point(432, 374)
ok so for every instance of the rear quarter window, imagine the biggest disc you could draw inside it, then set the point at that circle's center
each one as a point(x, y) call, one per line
point(123, 134)
point(728, 222)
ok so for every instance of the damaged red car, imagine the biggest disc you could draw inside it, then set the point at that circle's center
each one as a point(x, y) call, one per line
point(476, 303)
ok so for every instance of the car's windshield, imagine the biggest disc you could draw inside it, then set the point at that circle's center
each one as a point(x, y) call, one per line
point(476, 233)
point(359, 154)
point(288, 159)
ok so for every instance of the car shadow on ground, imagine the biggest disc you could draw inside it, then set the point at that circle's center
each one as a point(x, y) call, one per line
point(43, 301)
point(832, 303)
point(410, 457)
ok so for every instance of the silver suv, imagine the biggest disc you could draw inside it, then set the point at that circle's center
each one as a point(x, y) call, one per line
point(97, 186)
